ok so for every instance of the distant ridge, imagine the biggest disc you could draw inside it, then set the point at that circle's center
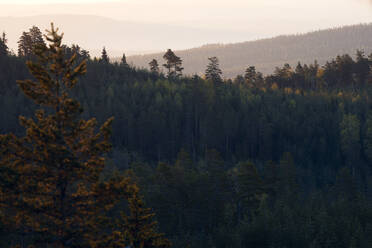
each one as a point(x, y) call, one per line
point(266, 54)
point(93, 32)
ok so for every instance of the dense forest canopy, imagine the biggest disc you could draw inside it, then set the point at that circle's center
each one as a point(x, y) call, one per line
point(267, 54)
point(282, 160)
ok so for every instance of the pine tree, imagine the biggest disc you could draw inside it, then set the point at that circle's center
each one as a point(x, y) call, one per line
point(36, 36)
point(104, 57)
point(213, 71)
point(24, 45)
point(29, 40)
point(154, 66)
point(51, 193)
point(47, 191)
point(173, 64)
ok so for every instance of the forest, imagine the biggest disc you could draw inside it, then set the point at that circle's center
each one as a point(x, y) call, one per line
point(282, 160)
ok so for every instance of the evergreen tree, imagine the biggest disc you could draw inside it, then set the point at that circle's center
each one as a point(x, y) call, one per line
point(3, 45)
point(123, 61)
point(250, 75)
point(29, 40)
point(154, 66)
point(368, 138)
point(361, 68)
point(36, 36)
point(253, 78)
point(24, 45)
point(173, 64)
point(134, 227)
point(50, 188)
point(213, 71)
point(350, 139)
point(104, 57)
point(249, 188)
point(138, 229)
point(59, 160)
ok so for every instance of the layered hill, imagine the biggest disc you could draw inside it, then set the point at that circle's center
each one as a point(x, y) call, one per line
point(118, 36)
point(266, 54)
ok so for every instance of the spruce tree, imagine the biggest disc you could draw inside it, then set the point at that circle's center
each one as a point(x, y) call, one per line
point(3, 45)
point(36, 36)
point(24, 45)
point(104, 56)
point(137, 228)
point(59, 160)
point(29, 40)
point(213, 71)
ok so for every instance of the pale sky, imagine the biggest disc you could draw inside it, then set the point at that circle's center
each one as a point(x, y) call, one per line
point(228, 13)
point(253, 18)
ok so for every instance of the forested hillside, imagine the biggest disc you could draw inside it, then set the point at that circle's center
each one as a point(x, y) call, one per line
point(282, 160)
point(267, 54)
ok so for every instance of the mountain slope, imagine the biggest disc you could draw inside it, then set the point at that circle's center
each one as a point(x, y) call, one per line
point(266, 54)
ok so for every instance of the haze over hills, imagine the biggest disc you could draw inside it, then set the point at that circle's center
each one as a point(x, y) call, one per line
point(134, 38)
point(94, 32)
point(266, 54)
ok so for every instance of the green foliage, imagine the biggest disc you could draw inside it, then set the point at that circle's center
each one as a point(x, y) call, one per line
point(184, 142)
point(51, 191)
point(350, 137)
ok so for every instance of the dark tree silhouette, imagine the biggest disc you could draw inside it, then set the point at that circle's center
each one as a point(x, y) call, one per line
point(173, 64)
point(104, 56)
point(154, 66)
point(213, 71)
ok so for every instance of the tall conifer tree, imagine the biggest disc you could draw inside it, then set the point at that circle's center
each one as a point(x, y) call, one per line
point(213, 71)
point(104, 56)
point(51, 194)
point(3, 45)
point(173, 64)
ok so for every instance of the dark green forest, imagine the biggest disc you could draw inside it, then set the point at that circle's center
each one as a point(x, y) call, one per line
point(266, 54)
point(282, 160)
